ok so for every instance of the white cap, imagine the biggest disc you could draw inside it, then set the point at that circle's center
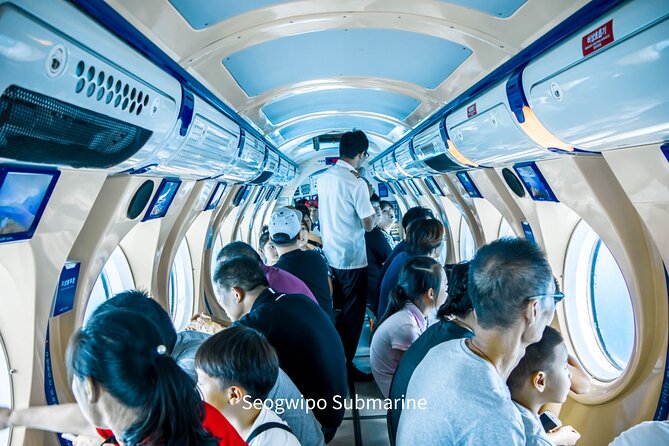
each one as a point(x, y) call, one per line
point(285, 224)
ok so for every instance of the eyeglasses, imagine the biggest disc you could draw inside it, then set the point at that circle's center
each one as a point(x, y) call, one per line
point(557, 296)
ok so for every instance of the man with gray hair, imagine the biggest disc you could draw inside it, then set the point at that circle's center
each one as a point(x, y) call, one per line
point(463, 382)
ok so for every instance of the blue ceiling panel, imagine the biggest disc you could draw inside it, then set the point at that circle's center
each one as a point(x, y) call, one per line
point(344, 99)
point(497, 8)
point(202, 14)
point(382, 53)
point(333, 123)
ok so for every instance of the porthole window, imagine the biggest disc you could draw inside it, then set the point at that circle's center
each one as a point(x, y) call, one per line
point(180, 292)
point(467, 244)
point(6, 396)
point(505, 229)
point(599, 311)
point(218, 244)
point(115, 277)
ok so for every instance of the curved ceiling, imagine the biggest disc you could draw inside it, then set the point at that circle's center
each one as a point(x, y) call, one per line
point(297, 69)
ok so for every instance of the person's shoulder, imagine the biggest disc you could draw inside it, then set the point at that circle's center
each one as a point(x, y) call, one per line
point(493, 431)
point(276, 435)
point(648, 432)
point(217, 425)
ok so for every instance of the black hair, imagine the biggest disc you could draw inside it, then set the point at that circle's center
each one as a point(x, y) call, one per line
point(352, 143)
point(304, 210)
point(375, 199)
point(502, 275)
point(240, 356)
point(300, 202)
point(241, 272)
point(139, 302)
point(238, 249)
point(416, 213)
point(539, 356)
point(418, 274)
point(424, 236)
point(124, 355)
point(385, 204)
point(458, 302)
point(264, 237)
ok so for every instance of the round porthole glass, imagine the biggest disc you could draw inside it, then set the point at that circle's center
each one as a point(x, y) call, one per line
point(467, 244)
point(115, 277)
point(180, 292)
point(598, 307)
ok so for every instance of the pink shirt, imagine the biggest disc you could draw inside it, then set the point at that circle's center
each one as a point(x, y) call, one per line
point(393, 337)
point(284, 282)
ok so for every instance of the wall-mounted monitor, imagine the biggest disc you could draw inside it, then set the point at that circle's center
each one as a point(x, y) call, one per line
point(163, 198)
point(383, 190)
point(270, 191)
point(331, 160)
point(24, 194)
point(665, 150)
point(216, 196)
point(437, 189)
point(469, 185)
point(239, 196)
point(534, 182)
point(258, 195)
point(527, 230)
point(400, 188)
point(414, 188)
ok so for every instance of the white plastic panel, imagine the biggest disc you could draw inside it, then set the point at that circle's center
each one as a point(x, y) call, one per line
point(611, 97)
point(115, 81)
point(430, 147)
point(486, 132)
point(390, 168)
point(249, 163)
point(406, 161)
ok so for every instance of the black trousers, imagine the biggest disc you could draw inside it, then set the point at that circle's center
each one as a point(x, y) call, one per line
point(350, 292)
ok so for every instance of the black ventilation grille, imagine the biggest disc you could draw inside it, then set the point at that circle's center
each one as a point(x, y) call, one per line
point(114, 92)
point(41, 129)
point(442, 163)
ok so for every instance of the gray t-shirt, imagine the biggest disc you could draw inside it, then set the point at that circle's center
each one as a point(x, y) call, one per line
point(534, 431)
point(467, 403)
point(304, 425)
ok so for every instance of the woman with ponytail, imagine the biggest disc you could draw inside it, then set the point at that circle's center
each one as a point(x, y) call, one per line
point(418, 292)
point(133, 392)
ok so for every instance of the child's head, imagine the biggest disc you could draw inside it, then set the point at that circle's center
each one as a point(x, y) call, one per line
point(236, 366)
point(542, 374)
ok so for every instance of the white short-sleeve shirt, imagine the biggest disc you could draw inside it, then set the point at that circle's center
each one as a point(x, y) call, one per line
point(646, 433)
point(272, 437)
point(343, 201)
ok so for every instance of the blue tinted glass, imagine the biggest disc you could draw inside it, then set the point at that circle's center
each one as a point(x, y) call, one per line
point(165, 196)
point(535, 183)
point(611, 307)
point(21, 196)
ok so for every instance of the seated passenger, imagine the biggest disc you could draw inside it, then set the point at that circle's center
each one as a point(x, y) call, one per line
point(280, 280)
point(309, 266)
point(304, 242)
point(267, 247)
point(424, 238)
point(413, 214)
point(312, 240)
point(378, 250)
point(646, 433)
point(387, 220)
point(541, 377)
point(456, 321)
point(419, 291)
point(307, 344)
point(132, 392)
point(463, 382)
point(236, 369)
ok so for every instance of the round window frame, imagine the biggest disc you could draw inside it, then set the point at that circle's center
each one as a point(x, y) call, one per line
point(577, 316)
point(116, 276)
point(10, 381)
point(504, 224)
point(461, 247)
point(181, 277)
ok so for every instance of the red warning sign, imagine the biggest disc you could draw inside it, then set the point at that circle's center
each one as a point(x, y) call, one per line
point(597, 39)
point(471, 111)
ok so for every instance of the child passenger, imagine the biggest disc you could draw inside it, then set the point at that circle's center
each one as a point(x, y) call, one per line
point(542, 377)
point(421, 288)
point(236, 369)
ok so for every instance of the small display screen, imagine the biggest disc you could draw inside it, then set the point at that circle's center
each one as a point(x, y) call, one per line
point(400, 188)
point(469, 185)
point(534, 182)
point(258, 195)
point(435, 186)
point(216, 196)
point(527, 230)
point(390, 188)
point(383, 190)
point(161, 201)
point(24, 194)
point(414, 188)
point(331, 160)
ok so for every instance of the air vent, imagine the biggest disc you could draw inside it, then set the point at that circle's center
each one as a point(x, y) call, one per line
point(513, 182)
point(104, 87)
point(41, 129)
